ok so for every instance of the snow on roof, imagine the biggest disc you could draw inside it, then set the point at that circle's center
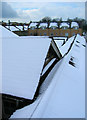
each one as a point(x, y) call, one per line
point(48, 65)
point(25, 27)
point(33, 25)
point(53, 24)
point(20, 27)
point(64, 25)
point(59, 43)
point(12, 28)
point(43, 25)
point(23, 60)
point(7, 27)
point(6, 33)
point(74, 24)
point(67, 90)
point(80, 40)
point(65, 96)
point(64, 49)
point(25, 37)
point(60, 38)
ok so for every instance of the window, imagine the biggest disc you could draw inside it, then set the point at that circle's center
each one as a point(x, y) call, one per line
point(51, 34)
point(65, 27)
point(76, 28)
point(66, 34)
point(30, 33)
point(53, 27)
point(40, 34)
point(61, 34)
point(32, 28)
point(45, 34)
point(43, 28)
point(73, 33)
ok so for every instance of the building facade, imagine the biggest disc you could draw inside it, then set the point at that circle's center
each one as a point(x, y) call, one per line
point(53, 30)
point(47, 29)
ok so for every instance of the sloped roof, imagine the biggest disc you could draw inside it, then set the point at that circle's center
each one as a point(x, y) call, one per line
point(33, 25)
point(59, 41)
point(43, 25)
point(52, 24)
point(65, 96)
point(25, 27)
point(64, 49)
point(23, 60)
point(64, 25)
point(20, 27)
point(74, 24)
point(12, 28)
point(6, 33)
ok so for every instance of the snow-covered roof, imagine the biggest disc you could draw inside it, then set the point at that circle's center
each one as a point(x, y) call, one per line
point(6, 33)
point(25, 27)
point(60, 38)
point(48, 65)
point(64, 25)
point(23, 60)
point(20, 27)
point(12, 28)
point(33, 25)
point(64, 49)
point(53, 24)
point(7, 27)
point(74, 24)
point(43, 25)
point(59, 43)
point(65, 95)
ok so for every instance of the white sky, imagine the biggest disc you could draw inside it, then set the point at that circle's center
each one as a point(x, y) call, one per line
point(36, 10)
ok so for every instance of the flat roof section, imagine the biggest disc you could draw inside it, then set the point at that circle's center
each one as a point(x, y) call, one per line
point(23, 60)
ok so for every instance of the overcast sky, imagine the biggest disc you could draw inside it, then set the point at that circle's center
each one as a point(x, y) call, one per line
point(26, 11)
